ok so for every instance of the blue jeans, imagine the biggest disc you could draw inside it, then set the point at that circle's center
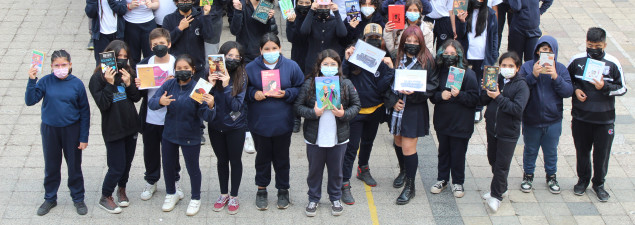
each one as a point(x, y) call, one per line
point(548, 138)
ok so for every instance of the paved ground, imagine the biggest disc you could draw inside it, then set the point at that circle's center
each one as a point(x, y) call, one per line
point(62, 24)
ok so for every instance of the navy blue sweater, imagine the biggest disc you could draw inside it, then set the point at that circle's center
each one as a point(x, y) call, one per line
point(92, 11)
point(370, 86)
point(225, 104)
point(491, 45)
point(299, 42)
point(526, 15)
point(322, 34)
point(272, 116)
point(249, 31)
point(65, 102)
point(190, 41)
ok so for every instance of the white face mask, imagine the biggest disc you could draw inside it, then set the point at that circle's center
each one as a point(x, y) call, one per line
point(508, 72)
point(367, 11)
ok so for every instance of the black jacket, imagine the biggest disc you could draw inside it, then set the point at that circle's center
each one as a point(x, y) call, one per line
point(249, 31)
point(491, 44)
point(190, 41)
point(352, 34)
point(371, 87)
point(504, 114)
point(322, 34)
point(390, 98)
point(299, 42)
point(455, 117)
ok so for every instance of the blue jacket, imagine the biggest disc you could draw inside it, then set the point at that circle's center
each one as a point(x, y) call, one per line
point(491, 45)
point(183, 119)
point(371, 87)
point(427, 7)
point(92, 11)
point(545, 97)
point(225, 104)
point(65, 102)
point(190, 41)
point(526, 15)
point(271, 116)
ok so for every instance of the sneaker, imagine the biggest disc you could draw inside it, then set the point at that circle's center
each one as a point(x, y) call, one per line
point(81, 208)
point(261, 199)
point(221, 202)
point(478, 116)
point(283, 198)
point(493, 204)
point(179, 191)
point(526, 185)
point(170, 202)
point(580, 187)
point(296, 125)
point(203, 139)
point(599, 191)
point(193, 207)
point(458, 191)
point(122, 198)
point(232, 206)
point(488, 195)
point(46, 207)
point(438, 187)
point(347, 197)
point(91, 45)
point(108, 204)
point(336, 208)
point(148, 191)
point(363, 173)
point(553, 185)
point(249, 144)
point(311, 209)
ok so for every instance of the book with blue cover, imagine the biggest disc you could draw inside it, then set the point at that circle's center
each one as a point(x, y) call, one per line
point(327, 90)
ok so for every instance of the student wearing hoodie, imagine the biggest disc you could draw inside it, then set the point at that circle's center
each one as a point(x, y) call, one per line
point(524, 26)
point(593, 112)
point(370, 14)
point(107, 23)
point(414, 10)
point(247, 30)
point(270, 118)
point(542, 119)
point(323, 31)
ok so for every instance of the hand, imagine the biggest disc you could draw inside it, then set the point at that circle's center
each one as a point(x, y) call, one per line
point(388, 62)
point(446, 95)
point(185, 22)
point(551, 70)
point(270, 14)
point(319, 111)
point(82, 145)
point(110, 75)
point(134, 4)
point(137, 82)
point(537, 69)
point(455, 92)
point(399, 105)
point(390, 26)
point(406, 92)
point(349, 51)
point(32, 72)
point(209, 99)
point(259, 96)
point(166, 99)
point(225, 79)
point(338, 112)
point(580, 94)
point(237, 5)
point(462, 16)
point(493, 94)
point(599, 84)
point(207, 9)
point(314, 6)
point(148, 3)
point(291, 18)
point(455, 36)
point(333, 7)
point(212, 78)
point(279, 95)
point(125, 76)
point(354, 22)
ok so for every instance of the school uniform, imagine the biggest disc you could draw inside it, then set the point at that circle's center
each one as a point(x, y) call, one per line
point(427, 7)
point(139, 23)
point(65, 124)
point(107, 23)
point(353, 34)
point(322, 34)
point(212, 44)
point(165, 7)
point(249, 31)
point(440, 17)
point(392, 38)
point(480, 49)
point(524, 26)
point(299, 42)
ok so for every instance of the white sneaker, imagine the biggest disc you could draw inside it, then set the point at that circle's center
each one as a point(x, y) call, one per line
point(170, 202)
point(488, 195)
point(438, 187)
point(249, 144)
point(179, 191)
point(493, 204)
point(148, 191)
point(458, 191)
point(193, 208)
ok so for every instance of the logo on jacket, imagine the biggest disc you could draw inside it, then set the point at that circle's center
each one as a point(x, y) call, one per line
point(377, 74)
point(611, 132)
point(581, 66)
point(197, 32)
point(443, 36)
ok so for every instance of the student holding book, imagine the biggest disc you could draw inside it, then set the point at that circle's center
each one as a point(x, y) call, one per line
point(414, 9)
point(593, 112)
point(323, 31)
point(182, 122)
point(298, 41)
point(370, 14)
point(524, 26)
point(542, 120)
point(107, 23)
point(270, 118)
point(440, 17)
point(248, 30)
point(139, 21)
point(115, 95)
point(326, 131)
point(410, 117)
point(64, 128)
point(452, 119)
point(503, 116)
point(425, 4)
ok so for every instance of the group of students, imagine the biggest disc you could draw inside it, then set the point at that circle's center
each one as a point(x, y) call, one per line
point(529, 95)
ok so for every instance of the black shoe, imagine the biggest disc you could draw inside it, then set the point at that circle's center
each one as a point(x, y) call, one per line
point(408, 192)
point(261, 199)
point(283, 198)
point(46, 207)
point(81, 208)
point(553, 185)
point(580, 187)
point(526, 185)
point(296, 125)
point(347, 197)
point(399, 180)
point(203, 139)
point(603, 196)
point(363, 173)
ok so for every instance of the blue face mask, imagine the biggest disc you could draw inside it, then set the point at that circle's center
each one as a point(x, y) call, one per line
point(329, 71)
point(271, 57)
point(413, 16)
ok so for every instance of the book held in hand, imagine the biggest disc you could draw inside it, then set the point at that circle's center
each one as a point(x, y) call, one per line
point(459, 6)
point(455, 78)
point(37, 60)
point(327, 90)
point(593, 70)
point(490, 77)
point(262, 11)
point(202, 87)
point(286, 8)
point(396, 15)
point(270, 82)
point(217, 64)
point(353, 10)
point(547, 59)
point(206, 2)
point(366, 56)
point(107, 59)
point(152, 75)
point(323, 2)
point(410, 80)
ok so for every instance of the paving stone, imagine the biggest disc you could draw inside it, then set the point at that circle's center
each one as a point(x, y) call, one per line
point(582, 209)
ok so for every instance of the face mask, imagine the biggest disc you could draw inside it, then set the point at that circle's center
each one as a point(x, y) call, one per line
point(323, 13)
point(160, 50)
point(271, 57)
point(374, 42)
point(477, 4)
point(594, 53)
point(508, 72)
point(60, 72)
point(232, 64)
point(450, 60)
point(329, 71)
point(183, 75)
point(413, 16)
point(184, 7)
point(412, 49)
point(121, 63)
point(302, 10)
point(367, 10)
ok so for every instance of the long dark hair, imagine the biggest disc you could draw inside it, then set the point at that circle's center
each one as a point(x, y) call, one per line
point(424, 57)
point(267, 37)
point(481, 20)
point(512, 55)
point(328, 53)
point(61, 54)
point(461, 62)
point(116, 46)
point(239, 76)
point(188, 59)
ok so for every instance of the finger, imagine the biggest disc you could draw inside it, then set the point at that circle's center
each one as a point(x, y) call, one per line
point(169, 96)
point(171, 100)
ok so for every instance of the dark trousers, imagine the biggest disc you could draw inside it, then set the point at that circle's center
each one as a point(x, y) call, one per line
point(272, 150)
point(503, 13)
point(228, 147)
point(522, 44)
point(442, 31)
point(452, 158)
point(477, 67)
point(100, 45)
point(119, 155)
point(58, 142)
point(191, 155)
point(331, 157)
point(599, 137)
point(499, 154)
point(137, 36)
point(364, 128)
point(152, 136)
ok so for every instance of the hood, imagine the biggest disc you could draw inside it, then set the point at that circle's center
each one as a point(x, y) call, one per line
point(552, 43)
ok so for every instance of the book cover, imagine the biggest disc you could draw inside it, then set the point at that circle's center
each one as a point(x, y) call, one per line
point(490, 77)
point(107, 59)
point(324, 2)
point(262, 11)
point(217, 64)
point(352, 10)
point(327, 90)
point(410, 80)
point(152, 75)
point(396, 15)
point(593, 70)
point(459, 7)
point(206, 2)
point(286, 8)
point(366, 56)
point(202, 87)
point(37, 60)
point(270, 82)
point(455, 78)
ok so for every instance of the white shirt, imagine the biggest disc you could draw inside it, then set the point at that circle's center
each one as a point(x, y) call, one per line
point(440, 8)
point(165, 7)
point(141, 14)
point(107, 18)
point(341, 8)
point(157, 117)
point(272, 66)
point(492, 3)
point(327, 130)
point(476, 50)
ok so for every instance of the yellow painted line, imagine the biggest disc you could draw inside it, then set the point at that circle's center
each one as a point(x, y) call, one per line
point(371, 205)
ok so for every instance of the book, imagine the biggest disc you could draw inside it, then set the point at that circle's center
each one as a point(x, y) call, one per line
point(202, 87)
point(396, 15)
point(352, 10)
point(327, 91)
point(410, 80)
point(459, 6)
point(490, 77)
point(270, 82)
point(366, 56)
point(593, 70)
point(547, 59)
point(206, 2)
point(286, 8)
point(37, 60)
point(262, 11)
point(455, 78)
point(217, 64)
point(323, 2)
point(107, 59)
point(152, 75)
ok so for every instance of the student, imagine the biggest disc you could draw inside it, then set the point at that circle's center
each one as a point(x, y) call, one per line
point(139, 21)
point(414, 9)
point(593, 112)
point(326, 131)
point(182, 122)
point(426, 7)
point(524, 26)
point(298, 41)
point(503, 12)
point(452, 119)
point(504, 112)
point(542, 119)
point(212, 44)
point(410, 117)
point(323, 31)
point(270, 118)
point(440, 17)
point(107, 23)
point(165, 8)
point(370, 14)
point(371, 87)
point(227, 130)
point(64, 128)
point(247, 30)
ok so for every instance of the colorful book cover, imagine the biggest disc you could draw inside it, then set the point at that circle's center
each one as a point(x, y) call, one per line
point(270, 82)
point(202, 87)
point(37, 60)
point(152, 75)
point(217, 64)
point(396, 15)
point(286, 8)
point(459, 7)
point(262, 11)
point(327, 90)
point(410, 80)
point(206, 2)
point(324, 2)
point(490, 77)
point(107, 59)
point(455, 78)
point(593, 70)
point(352, 10)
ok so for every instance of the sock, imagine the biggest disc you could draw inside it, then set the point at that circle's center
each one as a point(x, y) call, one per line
point(399, 153)
point(411, 162)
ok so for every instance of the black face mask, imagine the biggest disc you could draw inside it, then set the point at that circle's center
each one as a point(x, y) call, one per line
point(374, 42)
point(450, 60)
point(412, 49)
point(121, 63)
point(323, 13)
point(595, 53)
point(302, 10)
point(477, 4)
point(183, 75)
point(184, 7)
point(232, 64)
point(160, 50)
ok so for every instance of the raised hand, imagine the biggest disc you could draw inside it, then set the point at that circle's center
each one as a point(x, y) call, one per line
point(166, 99)
point(185, 22)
